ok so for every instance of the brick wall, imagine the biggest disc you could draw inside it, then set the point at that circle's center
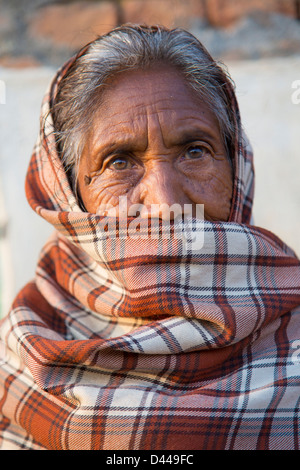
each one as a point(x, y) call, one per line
point(75, 23)
point(39, 29)
point(222, 13)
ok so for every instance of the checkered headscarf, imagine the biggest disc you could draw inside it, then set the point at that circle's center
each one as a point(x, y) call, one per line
point(142, 345)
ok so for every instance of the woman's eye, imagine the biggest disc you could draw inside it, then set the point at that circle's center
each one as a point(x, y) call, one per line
point(120, 163)
point(196, 152)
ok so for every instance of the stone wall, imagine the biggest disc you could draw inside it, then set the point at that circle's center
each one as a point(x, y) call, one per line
point(39, 31)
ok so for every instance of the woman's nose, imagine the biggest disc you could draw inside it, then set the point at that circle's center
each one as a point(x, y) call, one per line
point(160, 191)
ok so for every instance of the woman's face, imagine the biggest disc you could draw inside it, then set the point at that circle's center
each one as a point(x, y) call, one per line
point(155, 142)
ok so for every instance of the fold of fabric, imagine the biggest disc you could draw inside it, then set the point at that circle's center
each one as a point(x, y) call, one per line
point(140, 343)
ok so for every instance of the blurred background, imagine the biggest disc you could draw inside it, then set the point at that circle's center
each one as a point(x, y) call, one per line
point(259, 41)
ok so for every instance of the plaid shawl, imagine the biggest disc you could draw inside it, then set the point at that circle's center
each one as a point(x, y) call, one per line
point(142, 345)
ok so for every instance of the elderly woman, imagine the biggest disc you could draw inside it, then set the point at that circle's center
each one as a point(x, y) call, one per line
point(150, 342)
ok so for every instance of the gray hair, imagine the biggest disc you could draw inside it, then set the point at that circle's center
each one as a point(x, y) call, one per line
point(132, 47)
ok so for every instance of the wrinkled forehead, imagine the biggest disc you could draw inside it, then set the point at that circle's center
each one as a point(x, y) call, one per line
point(152, 102)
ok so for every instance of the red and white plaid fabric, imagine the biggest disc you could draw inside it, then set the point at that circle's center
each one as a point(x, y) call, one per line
point(142, 345)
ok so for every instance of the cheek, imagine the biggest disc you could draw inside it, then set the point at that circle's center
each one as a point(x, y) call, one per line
point(102, 193)
point(213, 188)
point(97, 197)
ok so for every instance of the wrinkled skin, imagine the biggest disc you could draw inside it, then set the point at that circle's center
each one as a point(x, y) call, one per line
point(155, 142)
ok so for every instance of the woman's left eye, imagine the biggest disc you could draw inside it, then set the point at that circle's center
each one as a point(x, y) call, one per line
point(196, 152)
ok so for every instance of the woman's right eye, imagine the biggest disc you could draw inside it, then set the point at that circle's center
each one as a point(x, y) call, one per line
point(120, 163)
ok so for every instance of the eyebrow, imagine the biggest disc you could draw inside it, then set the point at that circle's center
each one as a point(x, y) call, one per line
point(128, 144)
point(116, 147)
point(194, 134)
